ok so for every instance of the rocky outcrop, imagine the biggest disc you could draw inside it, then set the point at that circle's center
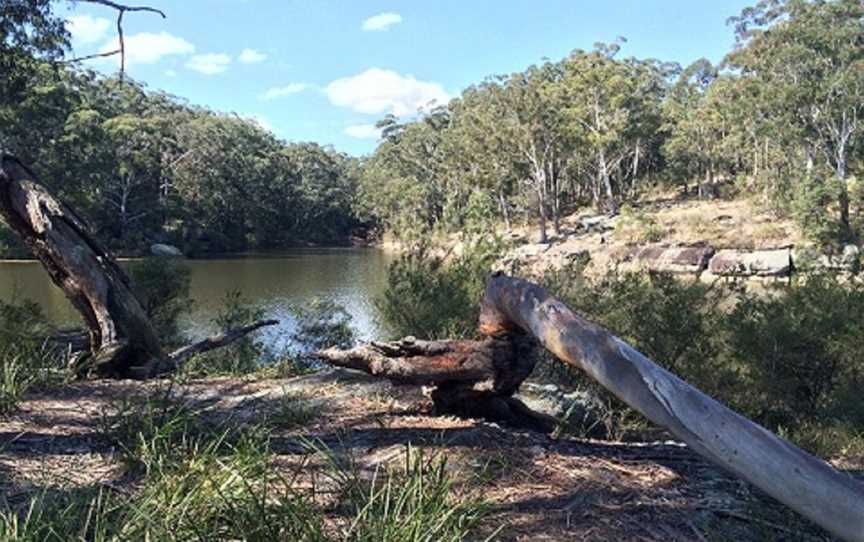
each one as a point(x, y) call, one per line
point(848, 260)
point(661, 258)
point(165, 251)
point(751, 263)
point(578, 411)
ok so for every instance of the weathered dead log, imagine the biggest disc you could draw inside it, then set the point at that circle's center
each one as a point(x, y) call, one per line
point(803, 482)
point(122, 340)
point(471, 378)
point(121, 335)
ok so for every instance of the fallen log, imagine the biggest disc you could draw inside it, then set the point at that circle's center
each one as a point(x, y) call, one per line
point(122, 342)
point(804, 483)
point(471, 378)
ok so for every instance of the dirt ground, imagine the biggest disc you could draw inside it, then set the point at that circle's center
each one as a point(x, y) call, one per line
point(538, 488)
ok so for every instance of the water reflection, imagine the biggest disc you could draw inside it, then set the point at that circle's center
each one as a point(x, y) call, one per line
point(274, 282)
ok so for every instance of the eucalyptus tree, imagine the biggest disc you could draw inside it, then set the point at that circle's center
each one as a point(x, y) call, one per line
point(524, 125)
point(807, 60)
point(610, 106)
point(406, 182)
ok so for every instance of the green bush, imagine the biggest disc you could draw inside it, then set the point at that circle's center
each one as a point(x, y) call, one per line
point(810, 209)
point(430, 295)
point(322, 323)
point(801, 350)
point(162, 286)
point(239, 358)
point(27, 359)
point(787, 357)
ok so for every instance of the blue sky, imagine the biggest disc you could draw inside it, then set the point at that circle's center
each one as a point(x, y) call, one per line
point(326, 70)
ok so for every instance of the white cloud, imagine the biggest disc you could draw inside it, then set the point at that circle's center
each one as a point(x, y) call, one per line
point(280, 92)
point(170, 73)
point(377, 91)
point(363, 131)
point(86, 29)
point(209, 63)
point(382, 21)
point(148, 48)
point(251, 56)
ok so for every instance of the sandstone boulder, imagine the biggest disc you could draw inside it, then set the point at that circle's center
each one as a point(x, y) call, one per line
point(746, 263)
point(165, 251)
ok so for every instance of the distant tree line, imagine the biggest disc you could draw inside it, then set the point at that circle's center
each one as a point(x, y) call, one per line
point(781, 118)
point(781, 115)
point(146, 167)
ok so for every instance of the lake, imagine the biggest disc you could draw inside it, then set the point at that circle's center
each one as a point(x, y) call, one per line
point(352, 277)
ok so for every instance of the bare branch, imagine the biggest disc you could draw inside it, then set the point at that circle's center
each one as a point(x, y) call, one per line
point(178, 357)
point(121, 10)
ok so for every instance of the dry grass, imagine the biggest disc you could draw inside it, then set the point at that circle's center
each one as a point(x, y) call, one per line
point(536, 488)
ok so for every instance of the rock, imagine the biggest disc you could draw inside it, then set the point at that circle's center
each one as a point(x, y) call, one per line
point(848, 260)
point(688, 259)
point(531, 251)
point(165, 251)
point(580, 411)
point(743, 263)
point(598, 223)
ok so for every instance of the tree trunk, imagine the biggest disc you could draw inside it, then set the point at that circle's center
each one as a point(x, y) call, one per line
point(607, 183)
point(121, 335)
point(122, 341)
point(843, 198)
point(471, 378)
point(541, 212)
point(803, 482)
point(505, 212)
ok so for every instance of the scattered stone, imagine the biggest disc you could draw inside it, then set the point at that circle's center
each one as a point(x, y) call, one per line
point(685, 259)
point(165, 251)
point(579, 411)
point(759, 263)
point(600, 223)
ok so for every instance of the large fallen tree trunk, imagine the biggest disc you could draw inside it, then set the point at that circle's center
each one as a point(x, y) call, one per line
point(122, 340)
point(512, 307)
point(803, 482)
point(471, 378)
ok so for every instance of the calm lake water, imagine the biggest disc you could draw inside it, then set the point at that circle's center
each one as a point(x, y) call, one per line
point(275, 282)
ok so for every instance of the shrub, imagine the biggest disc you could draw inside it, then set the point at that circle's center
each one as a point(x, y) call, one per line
point(162, 285)
point(322, 324)
point(26, 358)
point(431, 296)
point(241, 357)
point(810, 209)
point(636, 226)
point(801, 351)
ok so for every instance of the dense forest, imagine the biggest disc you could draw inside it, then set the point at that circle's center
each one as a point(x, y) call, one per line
point(146, 167)
point(780, 116)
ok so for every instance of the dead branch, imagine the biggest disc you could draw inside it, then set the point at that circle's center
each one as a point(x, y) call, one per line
point(471, 378)
point(121, 10)
point(177, 358)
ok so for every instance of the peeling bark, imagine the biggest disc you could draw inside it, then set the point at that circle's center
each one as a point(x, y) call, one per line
point(803, 482)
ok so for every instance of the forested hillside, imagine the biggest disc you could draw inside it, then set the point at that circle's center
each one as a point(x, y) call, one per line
point(780, 119)
point(147, 167)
